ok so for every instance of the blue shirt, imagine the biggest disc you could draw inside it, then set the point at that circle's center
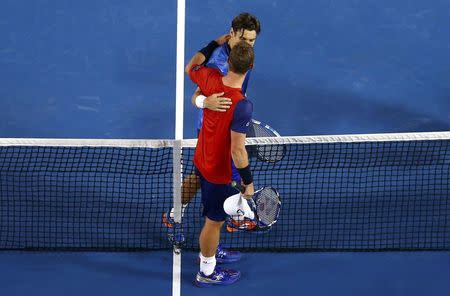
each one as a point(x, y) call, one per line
point(242, 116)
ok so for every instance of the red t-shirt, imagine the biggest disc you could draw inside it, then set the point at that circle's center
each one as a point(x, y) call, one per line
point(213, 152)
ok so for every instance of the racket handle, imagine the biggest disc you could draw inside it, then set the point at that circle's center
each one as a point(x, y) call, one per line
point(238, 186)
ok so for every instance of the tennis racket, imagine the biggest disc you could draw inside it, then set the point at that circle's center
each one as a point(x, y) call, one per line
point(266, 204)
point(266, 153)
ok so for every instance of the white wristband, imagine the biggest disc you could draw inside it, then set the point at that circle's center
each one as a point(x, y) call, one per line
point(200, 101)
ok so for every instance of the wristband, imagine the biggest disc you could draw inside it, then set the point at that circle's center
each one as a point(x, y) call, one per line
point(246, 175)
point(200, 101)
point(208, 49)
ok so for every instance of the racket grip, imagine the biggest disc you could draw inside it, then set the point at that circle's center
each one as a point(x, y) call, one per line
point(238, 186)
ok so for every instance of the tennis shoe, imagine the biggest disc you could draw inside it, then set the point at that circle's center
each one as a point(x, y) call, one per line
point(219, 277)
point(174, 230)
point(244, 225)
point(227, 256)
point(224, 256)
point(167, 220)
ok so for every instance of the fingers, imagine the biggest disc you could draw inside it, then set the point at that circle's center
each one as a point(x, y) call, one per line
point(222, 39)
point(249, 191)
point(218, 103)
point(225, 102)
point(222, 108)
point(247, 195)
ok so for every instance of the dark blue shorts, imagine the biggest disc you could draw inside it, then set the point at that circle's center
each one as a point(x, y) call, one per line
point(213, 197)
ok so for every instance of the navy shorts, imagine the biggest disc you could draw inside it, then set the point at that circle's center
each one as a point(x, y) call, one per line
point(213, 197)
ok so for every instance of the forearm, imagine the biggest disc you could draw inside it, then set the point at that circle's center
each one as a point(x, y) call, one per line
point(197, 59)
point(240, 157)
point(202, 55)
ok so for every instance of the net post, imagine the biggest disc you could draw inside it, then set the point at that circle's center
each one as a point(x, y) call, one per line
point(177, 172)
point(177, 236)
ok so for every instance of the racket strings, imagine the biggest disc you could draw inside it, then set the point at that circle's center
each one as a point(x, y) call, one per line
point(267, 206)
point(269, 153)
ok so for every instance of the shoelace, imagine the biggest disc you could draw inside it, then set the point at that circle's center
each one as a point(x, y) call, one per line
point(221, 252)
point(218, 276)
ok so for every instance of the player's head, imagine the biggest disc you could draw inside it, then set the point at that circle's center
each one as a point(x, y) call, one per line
point(241, 58)
point(244, 27)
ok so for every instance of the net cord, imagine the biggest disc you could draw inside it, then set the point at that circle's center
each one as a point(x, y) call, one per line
point(389, 137)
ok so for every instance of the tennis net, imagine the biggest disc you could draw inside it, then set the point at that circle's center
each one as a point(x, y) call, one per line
point(339, 193)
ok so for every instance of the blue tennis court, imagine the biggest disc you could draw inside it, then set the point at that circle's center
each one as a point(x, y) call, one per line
point(263, 273)
point(81, 195)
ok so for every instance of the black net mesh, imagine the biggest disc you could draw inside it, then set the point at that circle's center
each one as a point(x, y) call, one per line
point(335, 196)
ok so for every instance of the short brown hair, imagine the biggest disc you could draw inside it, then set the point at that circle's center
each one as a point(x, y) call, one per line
point(246, 21)
point(241, 57)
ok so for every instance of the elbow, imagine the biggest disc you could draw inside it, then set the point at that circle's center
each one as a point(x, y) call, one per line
point(188, 67)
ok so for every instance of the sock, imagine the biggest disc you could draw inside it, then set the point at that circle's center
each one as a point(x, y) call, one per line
point(183, 207)
point(207, 264)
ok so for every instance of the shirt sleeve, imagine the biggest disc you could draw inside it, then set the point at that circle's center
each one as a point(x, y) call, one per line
point(242, 116)
point(198, 75)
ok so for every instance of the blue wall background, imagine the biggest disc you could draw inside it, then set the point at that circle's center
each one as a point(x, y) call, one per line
point(106, 69)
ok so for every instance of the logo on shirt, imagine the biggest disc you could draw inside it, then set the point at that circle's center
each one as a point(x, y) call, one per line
point(196, 68)
point(247, 124)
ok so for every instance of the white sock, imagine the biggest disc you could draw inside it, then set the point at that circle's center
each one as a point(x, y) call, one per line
point(207, 264)
point(183, 207)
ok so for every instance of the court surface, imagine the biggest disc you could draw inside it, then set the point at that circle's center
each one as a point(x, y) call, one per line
point(150, 273)
point(333, 68)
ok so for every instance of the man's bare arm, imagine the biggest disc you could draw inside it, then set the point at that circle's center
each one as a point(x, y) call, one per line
point(214, 102)
point(199, 58)
point(240, 158)
point(238, 151)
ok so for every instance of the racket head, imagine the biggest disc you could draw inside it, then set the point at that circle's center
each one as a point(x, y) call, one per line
point(266, 153)
point(265, 203)
point(259, 129)
point(267, 206)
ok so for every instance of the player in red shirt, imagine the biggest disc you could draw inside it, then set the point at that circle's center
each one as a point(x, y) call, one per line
point(221, 139)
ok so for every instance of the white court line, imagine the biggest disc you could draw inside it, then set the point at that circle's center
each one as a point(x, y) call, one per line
point(179, 109)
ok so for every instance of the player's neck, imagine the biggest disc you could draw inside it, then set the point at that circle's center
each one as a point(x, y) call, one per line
point(233, 80)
